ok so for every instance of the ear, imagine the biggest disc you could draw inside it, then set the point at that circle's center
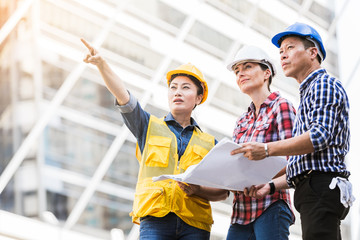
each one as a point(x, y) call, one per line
point(313, 52)
point(267, 74)
point(198, 99)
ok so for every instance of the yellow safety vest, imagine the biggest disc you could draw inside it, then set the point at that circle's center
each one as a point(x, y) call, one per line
point(160, 157)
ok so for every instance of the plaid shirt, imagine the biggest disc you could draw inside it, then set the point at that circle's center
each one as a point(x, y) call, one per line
point(324, 111)
point(274, 122)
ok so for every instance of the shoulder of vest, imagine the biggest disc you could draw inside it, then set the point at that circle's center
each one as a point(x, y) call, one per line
point(154, 118)
point(204, 135)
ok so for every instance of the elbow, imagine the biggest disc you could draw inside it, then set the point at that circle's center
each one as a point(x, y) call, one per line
point(225, 196)
point(319, 139)
point(222, 195)
point(213, 194)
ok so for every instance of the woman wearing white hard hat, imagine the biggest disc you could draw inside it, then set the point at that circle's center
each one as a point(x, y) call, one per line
point(316, 167)
point(269, 118)
point(169, 145)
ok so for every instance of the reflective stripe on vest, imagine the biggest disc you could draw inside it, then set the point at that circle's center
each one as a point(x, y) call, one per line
point(160, 157)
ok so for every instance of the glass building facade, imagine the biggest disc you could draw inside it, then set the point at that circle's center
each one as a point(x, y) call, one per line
point(64, 148)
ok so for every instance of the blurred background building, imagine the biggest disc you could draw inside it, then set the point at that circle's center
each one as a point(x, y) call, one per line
point(67, 163)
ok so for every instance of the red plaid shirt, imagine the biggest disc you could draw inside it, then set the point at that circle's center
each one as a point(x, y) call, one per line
point(274, 122)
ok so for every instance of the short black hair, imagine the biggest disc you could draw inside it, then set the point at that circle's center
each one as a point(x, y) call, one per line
point(199, 87)
point(305, 42)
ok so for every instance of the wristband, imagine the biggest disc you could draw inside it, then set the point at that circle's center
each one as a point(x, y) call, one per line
point(266, 150)
point(272, 187)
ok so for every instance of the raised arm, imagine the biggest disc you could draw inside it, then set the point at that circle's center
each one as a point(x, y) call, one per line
point(112, 81)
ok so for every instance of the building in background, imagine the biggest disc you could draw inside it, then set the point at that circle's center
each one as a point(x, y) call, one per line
point(67, 160)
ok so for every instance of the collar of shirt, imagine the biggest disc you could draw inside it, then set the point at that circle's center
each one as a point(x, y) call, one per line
point(269, 101)
point(170, 118)
point(304, 84)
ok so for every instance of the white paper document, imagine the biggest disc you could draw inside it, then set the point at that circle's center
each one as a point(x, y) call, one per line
point(219, 169)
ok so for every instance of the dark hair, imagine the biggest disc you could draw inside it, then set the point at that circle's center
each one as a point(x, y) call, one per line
point(197, 83)
point(264, 67)
point(307, 44)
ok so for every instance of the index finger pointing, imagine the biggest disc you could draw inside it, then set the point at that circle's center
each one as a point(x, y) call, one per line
point(236, 151)
point(91, 49)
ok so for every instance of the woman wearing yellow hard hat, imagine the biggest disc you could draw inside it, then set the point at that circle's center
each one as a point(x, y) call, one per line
point(195, 75)
point(167, 209)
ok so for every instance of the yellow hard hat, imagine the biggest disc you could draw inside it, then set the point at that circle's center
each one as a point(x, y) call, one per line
point(193, 71)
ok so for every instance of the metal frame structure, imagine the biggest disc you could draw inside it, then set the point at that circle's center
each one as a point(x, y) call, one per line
point(48, 109)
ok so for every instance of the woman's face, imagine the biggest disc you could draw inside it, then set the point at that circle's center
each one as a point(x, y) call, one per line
point(182, 95)
point(250, 76)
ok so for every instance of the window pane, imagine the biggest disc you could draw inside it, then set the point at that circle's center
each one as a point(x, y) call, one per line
point(135, 52)
point(266, 24)
point(295, 4)
point(230, 99)
point(200, 34)
point(64, 19)
point(243, 7)
point(74, 147)
point(159, 14)
point(324, 13)
point(125, 167)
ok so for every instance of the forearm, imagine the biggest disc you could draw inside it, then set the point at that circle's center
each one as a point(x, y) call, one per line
point(262, 190)
point(280, 182)
point(280, 173)
point(212, 194)
point(113, 83)
point(293, 146)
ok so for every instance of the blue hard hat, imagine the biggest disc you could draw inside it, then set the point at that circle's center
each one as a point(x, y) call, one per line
point(301, 29)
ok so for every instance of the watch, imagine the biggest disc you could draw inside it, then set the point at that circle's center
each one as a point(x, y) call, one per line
point(272, 187)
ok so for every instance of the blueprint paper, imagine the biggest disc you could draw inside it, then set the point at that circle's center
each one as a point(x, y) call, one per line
point(219, 169)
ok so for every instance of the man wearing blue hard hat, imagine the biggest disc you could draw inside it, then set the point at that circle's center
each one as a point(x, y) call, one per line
point(316, 166)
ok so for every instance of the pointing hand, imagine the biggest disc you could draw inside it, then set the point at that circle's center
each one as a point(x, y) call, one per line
point(93, 56)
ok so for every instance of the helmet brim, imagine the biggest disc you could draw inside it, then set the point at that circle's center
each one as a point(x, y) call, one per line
point(203, 82)
point(275, 40)
point(267, 63)
point(232, 64)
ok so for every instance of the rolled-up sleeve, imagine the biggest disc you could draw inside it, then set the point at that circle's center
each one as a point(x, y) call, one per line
point(135, 118)
point(325, 104)
point(128, 107)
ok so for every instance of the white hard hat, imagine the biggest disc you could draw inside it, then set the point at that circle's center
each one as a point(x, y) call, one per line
point(252, 54)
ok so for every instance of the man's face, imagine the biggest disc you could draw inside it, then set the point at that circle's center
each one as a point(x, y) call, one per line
point(294, 58)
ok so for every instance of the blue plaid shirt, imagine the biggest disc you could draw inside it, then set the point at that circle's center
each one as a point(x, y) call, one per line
point(324, 111)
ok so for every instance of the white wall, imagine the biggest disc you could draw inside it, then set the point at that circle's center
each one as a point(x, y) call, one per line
point(349, 63)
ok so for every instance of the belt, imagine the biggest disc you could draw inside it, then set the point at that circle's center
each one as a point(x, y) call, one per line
point(297, 179)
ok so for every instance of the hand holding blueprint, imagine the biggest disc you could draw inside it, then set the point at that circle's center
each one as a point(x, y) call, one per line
point(219, 169)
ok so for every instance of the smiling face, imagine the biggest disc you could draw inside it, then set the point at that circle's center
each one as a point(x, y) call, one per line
point(183, 95)
point(251, 77)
